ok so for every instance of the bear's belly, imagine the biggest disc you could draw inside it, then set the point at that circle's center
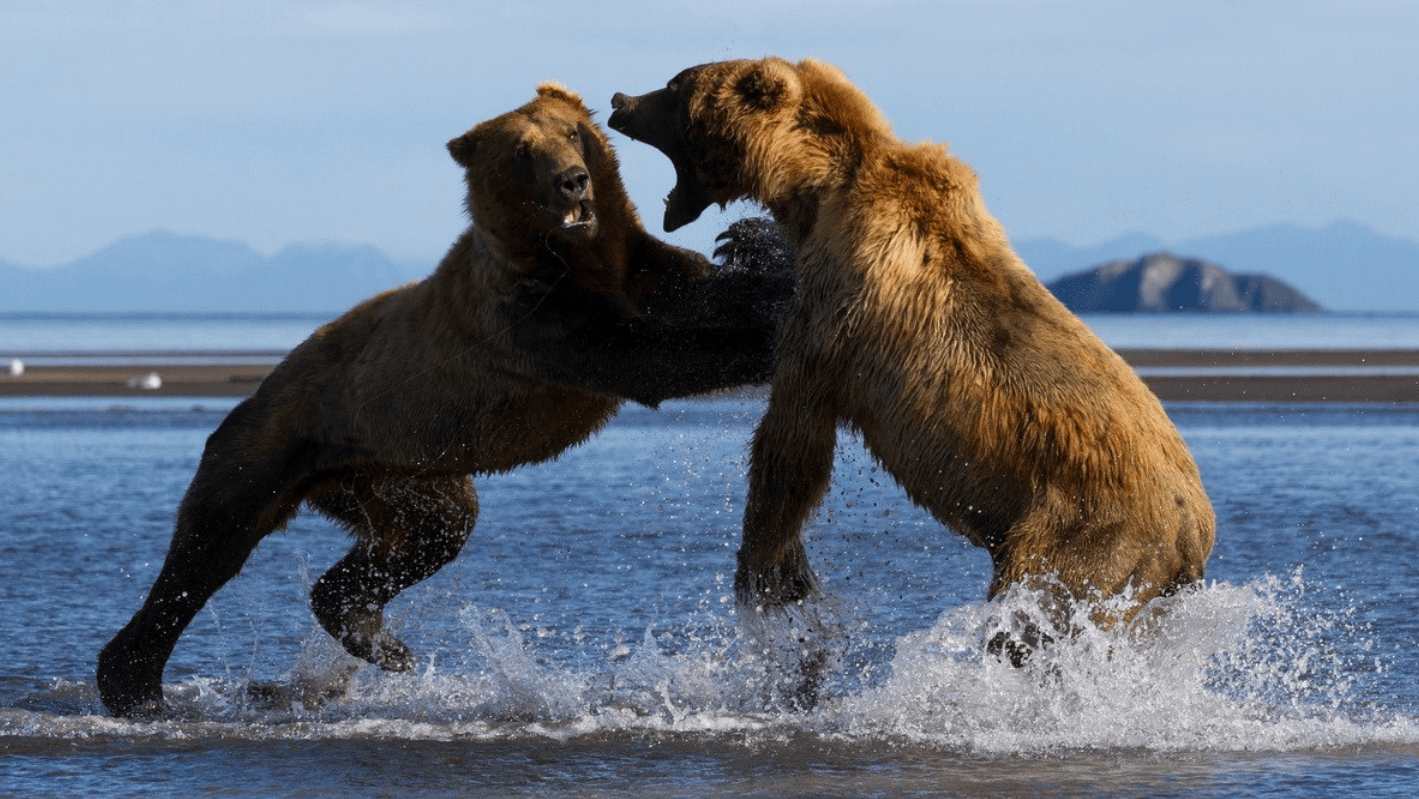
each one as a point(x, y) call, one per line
point(466, 434)
point(535, 428)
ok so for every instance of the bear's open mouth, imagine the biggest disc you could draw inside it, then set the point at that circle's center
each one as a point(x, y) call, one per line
point(650, 118)
point(579, 215)
point(687, 199)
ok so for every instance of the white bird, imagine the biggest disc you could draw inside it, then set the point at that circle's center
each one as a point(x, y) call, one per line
point(149, 381)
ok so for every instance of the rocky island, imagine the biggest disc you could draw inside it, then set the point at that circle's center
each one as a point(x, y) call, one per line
point(1164, 282)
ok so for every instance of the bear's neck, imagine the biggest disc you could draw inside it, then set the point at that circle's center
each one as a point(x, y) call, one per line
point(825, 167)
point(796, 214)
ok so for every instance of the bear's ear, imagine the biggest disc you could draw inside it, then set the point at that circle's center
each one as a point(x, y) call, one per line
point(560, 92)
point(463, 148)
point(768, 84)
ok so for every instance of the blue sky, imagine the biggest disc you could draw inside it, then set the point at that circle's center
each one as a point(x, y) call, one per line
point(271, 122)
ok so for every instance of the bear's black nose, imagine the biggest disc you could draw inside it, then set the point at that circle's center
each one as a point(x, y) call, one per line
point(618, 100)
point(572, 183)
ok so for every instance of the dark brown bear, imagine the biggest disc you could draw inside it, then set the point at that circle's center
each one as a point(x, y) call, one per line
point(553, 306)
point(916, 324)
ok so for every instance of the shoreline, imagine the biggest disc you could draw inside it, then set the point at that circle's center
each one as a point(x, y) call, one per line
point(1355, 375)
point(1349, 375)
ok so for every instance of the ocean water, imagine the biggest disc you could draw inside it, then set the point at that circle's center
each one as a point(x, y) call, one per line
point(1392, 331)
point(61, 335)
point(29, 335)
point(586, 644)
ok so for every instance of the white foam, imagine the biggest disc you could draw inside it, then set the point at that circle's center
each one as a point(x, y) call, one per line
point(1225, 668)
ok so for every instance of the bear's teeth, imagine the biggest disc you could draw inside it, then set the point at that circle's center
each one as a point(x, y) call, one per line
point(665, 200)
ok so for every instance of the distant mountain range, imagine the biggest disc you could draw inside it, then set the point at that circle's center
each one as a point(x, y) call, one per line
point(1343, 266)
point(191, 274)
point(1164, 282)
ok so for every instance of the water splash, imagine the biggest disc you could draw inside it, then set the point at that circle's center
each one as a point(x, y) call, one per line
point(1234, 668)
point(1225, 668)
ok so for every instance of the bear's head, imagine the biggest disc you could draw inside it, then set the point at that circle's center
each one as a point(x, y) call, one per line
point(542, 176)
point(749, 128)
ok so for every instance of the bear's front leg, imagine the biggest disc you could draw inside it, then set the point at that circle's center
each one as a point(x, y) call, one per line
point(407, 529)
point(789, 472)
point(349, 601)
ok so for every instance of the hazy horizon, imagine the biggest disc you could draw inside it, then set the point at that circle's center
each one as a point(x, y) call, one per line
point(1146, 242)
point(276, 123)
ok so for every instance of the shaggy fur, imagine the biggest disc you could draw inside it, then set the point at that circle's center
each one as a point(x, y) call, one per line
point(916, 324)
point(550, 308)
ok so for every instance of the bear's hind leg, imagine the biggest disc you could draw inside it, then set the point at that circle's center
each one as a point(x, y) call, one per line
point(228, 509)
point(406, 529)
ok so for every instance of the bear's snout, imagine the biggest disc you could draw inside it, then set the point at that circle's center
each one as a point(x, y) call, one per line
point(573, 190)
point(623, 106)
point(573, 183)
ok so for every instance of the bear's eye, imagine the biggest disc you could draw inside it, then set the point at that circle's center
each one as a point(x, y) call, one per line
point(522, 150)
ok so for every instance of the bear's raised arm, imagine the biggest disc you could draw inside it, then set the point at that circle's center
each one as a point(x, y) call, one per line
point(696, 335)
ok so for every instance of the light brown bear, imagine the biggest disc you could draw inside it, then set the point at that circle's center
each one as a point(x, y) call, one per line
point(916, 324)
point(379, 418)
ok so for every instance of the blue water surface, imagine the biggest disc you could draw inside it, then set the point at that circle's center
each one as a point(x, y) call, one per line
point(586, 643)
